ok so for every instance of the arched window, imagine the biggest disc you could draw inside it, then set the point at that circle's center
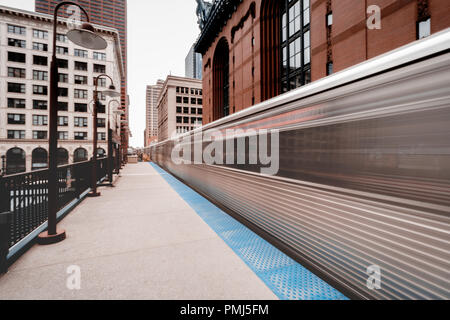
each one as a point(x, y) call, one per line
point(63, 157)
point(295, 44)
point(15, 161)
point(270, 49)
point(39, 159)
point(101, 153)
point(221, 78)
point(80, 155)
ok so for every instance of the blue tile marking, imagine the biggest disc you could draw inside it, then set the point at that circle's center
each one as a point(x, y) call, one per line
point(287, 279)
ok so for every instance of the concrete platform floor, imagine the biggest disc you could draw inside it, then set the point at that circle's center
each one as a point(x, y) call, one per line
point(139, 240)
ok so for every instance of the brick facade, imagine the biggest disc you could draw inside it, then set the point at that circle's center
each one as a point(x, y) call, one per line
point(350, 42)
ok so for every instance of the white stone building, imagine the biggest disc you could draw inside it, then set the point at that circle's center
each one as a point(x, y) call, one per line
point(180, 106)
point(25, 56)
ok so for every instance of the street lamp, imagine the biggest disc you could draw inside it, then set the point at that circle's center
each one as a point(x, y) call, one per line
point(110, 147)
point(83, 37)
point(111, 92)
point(119, 113)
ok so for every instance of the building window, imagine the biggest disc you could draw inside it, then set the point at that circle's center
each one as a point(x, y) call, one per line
point(80, 122)
point(179, 99)
point(40, 46)
point(100, 56)
point(80, 136)
point(80, 53)
point(329, 68)
point(17, 43)
point(63, 135)
point(295, 44)
point(39, 105)
point(63, 78)
point(100, 82)
point(80, 79)
point(101, 122)
point(193, 111)
point(17, 29)
point(62, 50)
point(17, 57)
point(61, 37)
point(16, 103)
point(199, 111)
point(101, 136)
point(80, 107)
point(16, 118)
point(63, 64)
point(221, 87)
point(16, 134)
point(63, 121)
point(40, 60)
point(16, 72)
point(40, 34)
point(40, 90)
point(80, 94)
point(40, 75)
point(179, 120)
point(424, 29)
point(99, 68)
point(329, 19)
point(16, 87)
point(40, 120)
point(81, 66)
point(179, 110)
point(39, 135)
point(63, 106)
point(63, 92)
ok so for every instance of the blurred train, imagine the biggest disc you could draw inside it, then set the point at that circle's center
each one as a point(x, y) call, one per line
point(364, 174)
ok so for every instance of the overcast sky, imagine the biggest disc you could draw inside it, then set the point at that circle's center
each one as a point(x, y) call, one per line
point(160, 34)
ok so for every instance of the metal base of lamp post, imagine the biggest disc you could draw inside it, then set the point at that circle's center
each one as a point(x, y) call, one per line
point(94, 194)
point(44, 239)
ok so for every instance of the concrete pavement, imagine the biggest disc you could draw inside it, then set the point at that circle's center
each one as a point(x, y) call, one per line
point(139, 240)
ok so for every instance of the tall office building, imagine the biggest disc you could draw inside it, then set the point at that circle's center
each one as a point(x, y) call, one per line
point(193, 64)
point(151, 107)
point(110, 13)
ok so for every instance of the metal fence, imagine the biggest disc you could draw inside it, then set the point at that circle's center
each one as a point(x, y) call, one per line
point(25, 197)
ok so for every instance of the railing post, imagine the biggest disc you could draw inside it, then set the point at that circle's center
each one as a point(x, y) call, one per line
point(5, 238)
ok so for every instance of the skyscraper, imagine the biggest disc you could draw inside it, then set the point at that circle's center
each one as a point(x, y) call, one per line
point(193, 64)
point(151, 119)
point(110, 13)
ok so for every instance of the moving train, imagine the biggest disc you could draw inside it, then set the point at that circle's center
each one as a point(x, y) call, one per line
point(363, 179)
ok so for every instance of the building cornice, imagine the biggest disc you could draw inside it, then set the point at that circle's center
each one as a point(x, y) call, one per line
point(221, 12)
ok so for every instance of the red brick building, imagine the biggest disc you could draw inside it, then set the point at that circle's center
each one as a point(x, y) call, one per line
point(257, 49)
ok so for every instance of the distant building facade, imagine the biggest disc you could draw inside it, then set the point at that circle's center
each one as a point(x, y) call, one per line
point(179, 106)
point(193, 64)
point(151, 116)
point(25, 51)
point(254, 50)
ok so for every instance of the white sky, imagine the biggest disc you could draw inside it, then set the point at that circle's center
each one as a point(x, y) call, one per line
point(160, 34)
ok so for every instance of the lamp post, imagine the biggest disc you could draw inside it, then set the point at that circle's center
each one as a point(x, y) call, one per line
point(119, 113)
point(110, 146)
point(84, 37)
point(111, 92)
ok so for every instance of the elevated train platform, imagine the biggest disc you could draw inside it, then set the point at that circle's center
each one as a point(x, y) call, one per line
point(152, 237)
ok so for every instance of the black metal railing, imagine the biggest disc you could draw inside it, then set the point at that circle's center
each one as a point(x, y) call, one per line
point(25, 196)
